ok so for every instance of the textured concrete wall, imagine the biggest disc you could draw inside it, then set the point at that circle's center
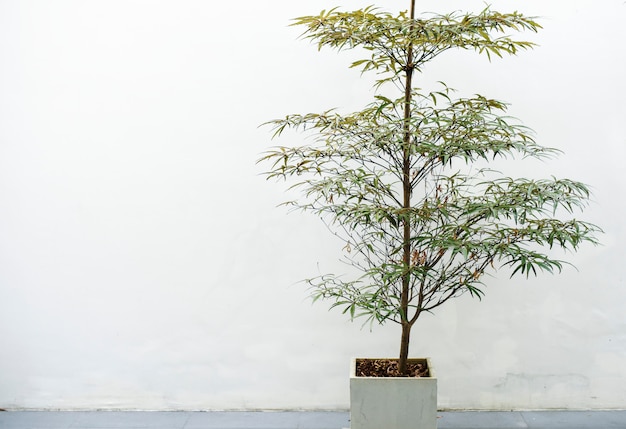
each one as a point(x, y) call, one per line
point(143, 264)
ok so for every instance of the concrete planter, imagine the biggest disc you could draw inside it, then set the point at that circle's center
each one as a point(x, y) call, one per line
point(393, 402)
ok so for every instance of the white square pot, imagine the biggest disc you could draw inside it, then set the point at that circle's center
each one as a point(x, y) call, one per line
point(393, 402)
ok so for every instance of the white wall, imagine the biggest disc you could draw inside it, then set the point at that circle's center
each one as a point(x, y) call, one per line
point(144, 265)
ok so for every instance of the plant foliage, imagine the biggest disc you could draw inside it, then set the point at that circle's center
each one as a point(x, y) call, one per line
point(407, 182)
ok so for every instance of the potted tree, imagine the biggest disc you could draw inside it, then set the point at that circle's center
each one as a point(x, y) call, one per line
point(407, 182)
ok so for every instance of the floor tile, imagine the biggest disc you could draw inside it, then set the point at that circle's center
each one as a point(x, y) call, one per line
point(36, 420)
point(575, 419)
point(324, 420)
point(243, 420)
point(130, 420)
point(481, 420)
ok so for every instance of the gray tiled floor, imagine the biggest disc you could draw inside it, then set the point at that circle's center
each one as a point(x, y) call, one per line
point(299, 420)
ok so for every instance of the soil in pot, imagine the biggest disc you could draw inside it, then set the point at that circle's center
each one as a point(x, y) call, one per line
point(389, 368)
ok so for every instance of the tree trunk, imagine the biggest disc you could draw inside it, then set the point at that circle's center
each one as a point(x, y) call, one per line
point(404, 348)
point(406, 220)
